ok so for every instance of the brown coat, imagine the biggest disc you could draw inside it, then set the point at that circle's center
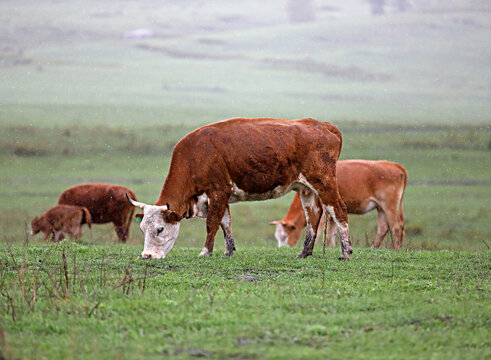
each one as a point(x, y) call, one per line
point(245, 160)
point(364, 185)
point(106, 203)
point(60, 220)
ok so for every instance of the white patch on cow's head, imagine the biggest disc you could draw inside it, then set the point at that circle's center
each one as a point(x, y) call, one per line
point(283, 232)
point(281, 235)
point(160, 235)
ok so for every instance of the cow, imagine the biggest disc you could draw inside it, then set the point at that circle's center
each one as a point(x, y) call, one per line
point(363, 185)
point(60, 220)
point(246, 160)
point(106, 203)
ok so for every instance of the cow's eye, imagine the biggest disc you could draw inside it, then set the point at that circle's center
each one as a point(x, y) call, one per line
point(159, 230)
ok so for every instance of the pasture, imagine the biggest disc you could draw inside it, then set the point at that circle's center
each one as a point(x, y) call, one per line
point(98, 302)
point(81, 102)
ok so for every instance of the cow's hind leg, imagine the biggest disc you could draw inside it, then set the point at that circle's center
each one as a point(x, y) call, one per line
point(382, 228)
point(337, 210)
point(396, 226)
point(226, 224)
point(313, 215)
point(121, 230)
point(331, 231)
point(58, 236)
point(77, 231)
point(218, 202)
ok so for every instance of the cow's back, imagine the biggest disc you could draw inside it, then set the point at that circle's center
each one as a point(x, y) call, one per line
point(256, 154)
point(105, 202)
point(362, 181)
point(64, 216)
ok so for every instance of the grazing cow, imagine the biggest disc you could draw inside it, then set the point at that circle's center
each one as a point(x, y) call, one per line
point(363, 186)
point(106, 203)
point(246, 160)
point(60, 220)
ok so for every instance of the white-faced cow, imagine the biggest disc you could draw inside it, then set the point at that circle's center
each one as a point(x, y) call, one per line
point(106, 203)
point(363, 186)
point(244, 160)
point(60, 220)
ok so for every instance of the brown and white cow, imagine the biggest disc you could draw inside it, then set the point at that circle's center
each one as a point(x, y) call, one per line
point(246, 160)
point(60, 220)
point(106, 203)
point(363, 185)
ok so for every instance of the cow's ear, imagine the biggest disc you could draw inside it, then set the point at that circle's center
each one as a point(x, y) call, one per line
point(139, 217)
point(171, 217)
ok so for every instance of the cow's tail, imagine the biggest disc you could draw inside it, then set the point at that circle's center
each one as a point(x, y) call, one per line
point(86, 217)
point(130, 213)
point(403, 176)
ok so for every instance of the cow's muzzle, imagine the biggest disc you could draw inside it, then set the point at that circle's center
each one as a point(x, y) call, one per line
point(151, 255)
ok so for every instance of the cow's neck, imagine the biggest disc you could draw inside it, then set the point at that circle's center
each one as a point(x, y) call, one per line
point(175, 195)
point(296, 215)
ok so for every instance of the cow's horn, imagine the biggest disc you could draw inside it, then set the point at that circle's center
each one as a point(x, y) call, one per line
point(135, 203)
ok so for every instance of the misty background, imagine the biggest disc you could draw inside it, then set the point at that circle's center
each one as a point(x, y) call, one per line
point(409, 61)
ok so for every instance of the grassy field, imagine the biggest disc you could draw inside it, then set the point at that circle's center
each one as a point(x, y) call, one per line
point(98, 302)
point(82, 102)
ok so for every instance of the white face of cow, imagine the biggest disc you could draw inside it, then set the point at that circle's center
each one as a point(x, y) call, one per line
point(281, 233)
point(160, 235)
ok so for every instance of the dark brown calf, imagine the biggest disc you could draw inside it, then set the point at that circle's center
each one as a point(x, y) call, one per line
point(106, 203)
point(363, 185)
point(60, 220)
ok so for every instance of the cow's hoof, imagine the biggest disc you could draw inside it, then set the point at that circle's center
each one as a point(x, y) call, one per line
point(205, 252)
point(344, 257)
point(228, 253)
point(303, 255)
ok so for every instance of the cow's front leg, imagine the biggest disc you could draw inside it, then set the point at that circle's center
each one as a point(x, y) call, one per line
point(227, 232)
point(218, 202)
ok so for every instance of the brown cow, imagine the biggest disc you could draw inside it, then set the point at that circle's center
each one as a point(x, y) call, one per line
point(363, 185)
point(60, 220)
point(245, 160)
point(106, 203)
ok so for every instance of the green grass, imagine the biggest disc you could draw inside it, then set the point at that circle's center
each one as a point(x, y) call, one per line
point(260, 303)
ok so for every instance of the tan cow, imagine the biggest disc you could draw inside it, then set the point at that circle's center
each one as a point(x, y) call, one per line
point(106, 203)
point(246, 160)
point(363, 185)
point(60, 220)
